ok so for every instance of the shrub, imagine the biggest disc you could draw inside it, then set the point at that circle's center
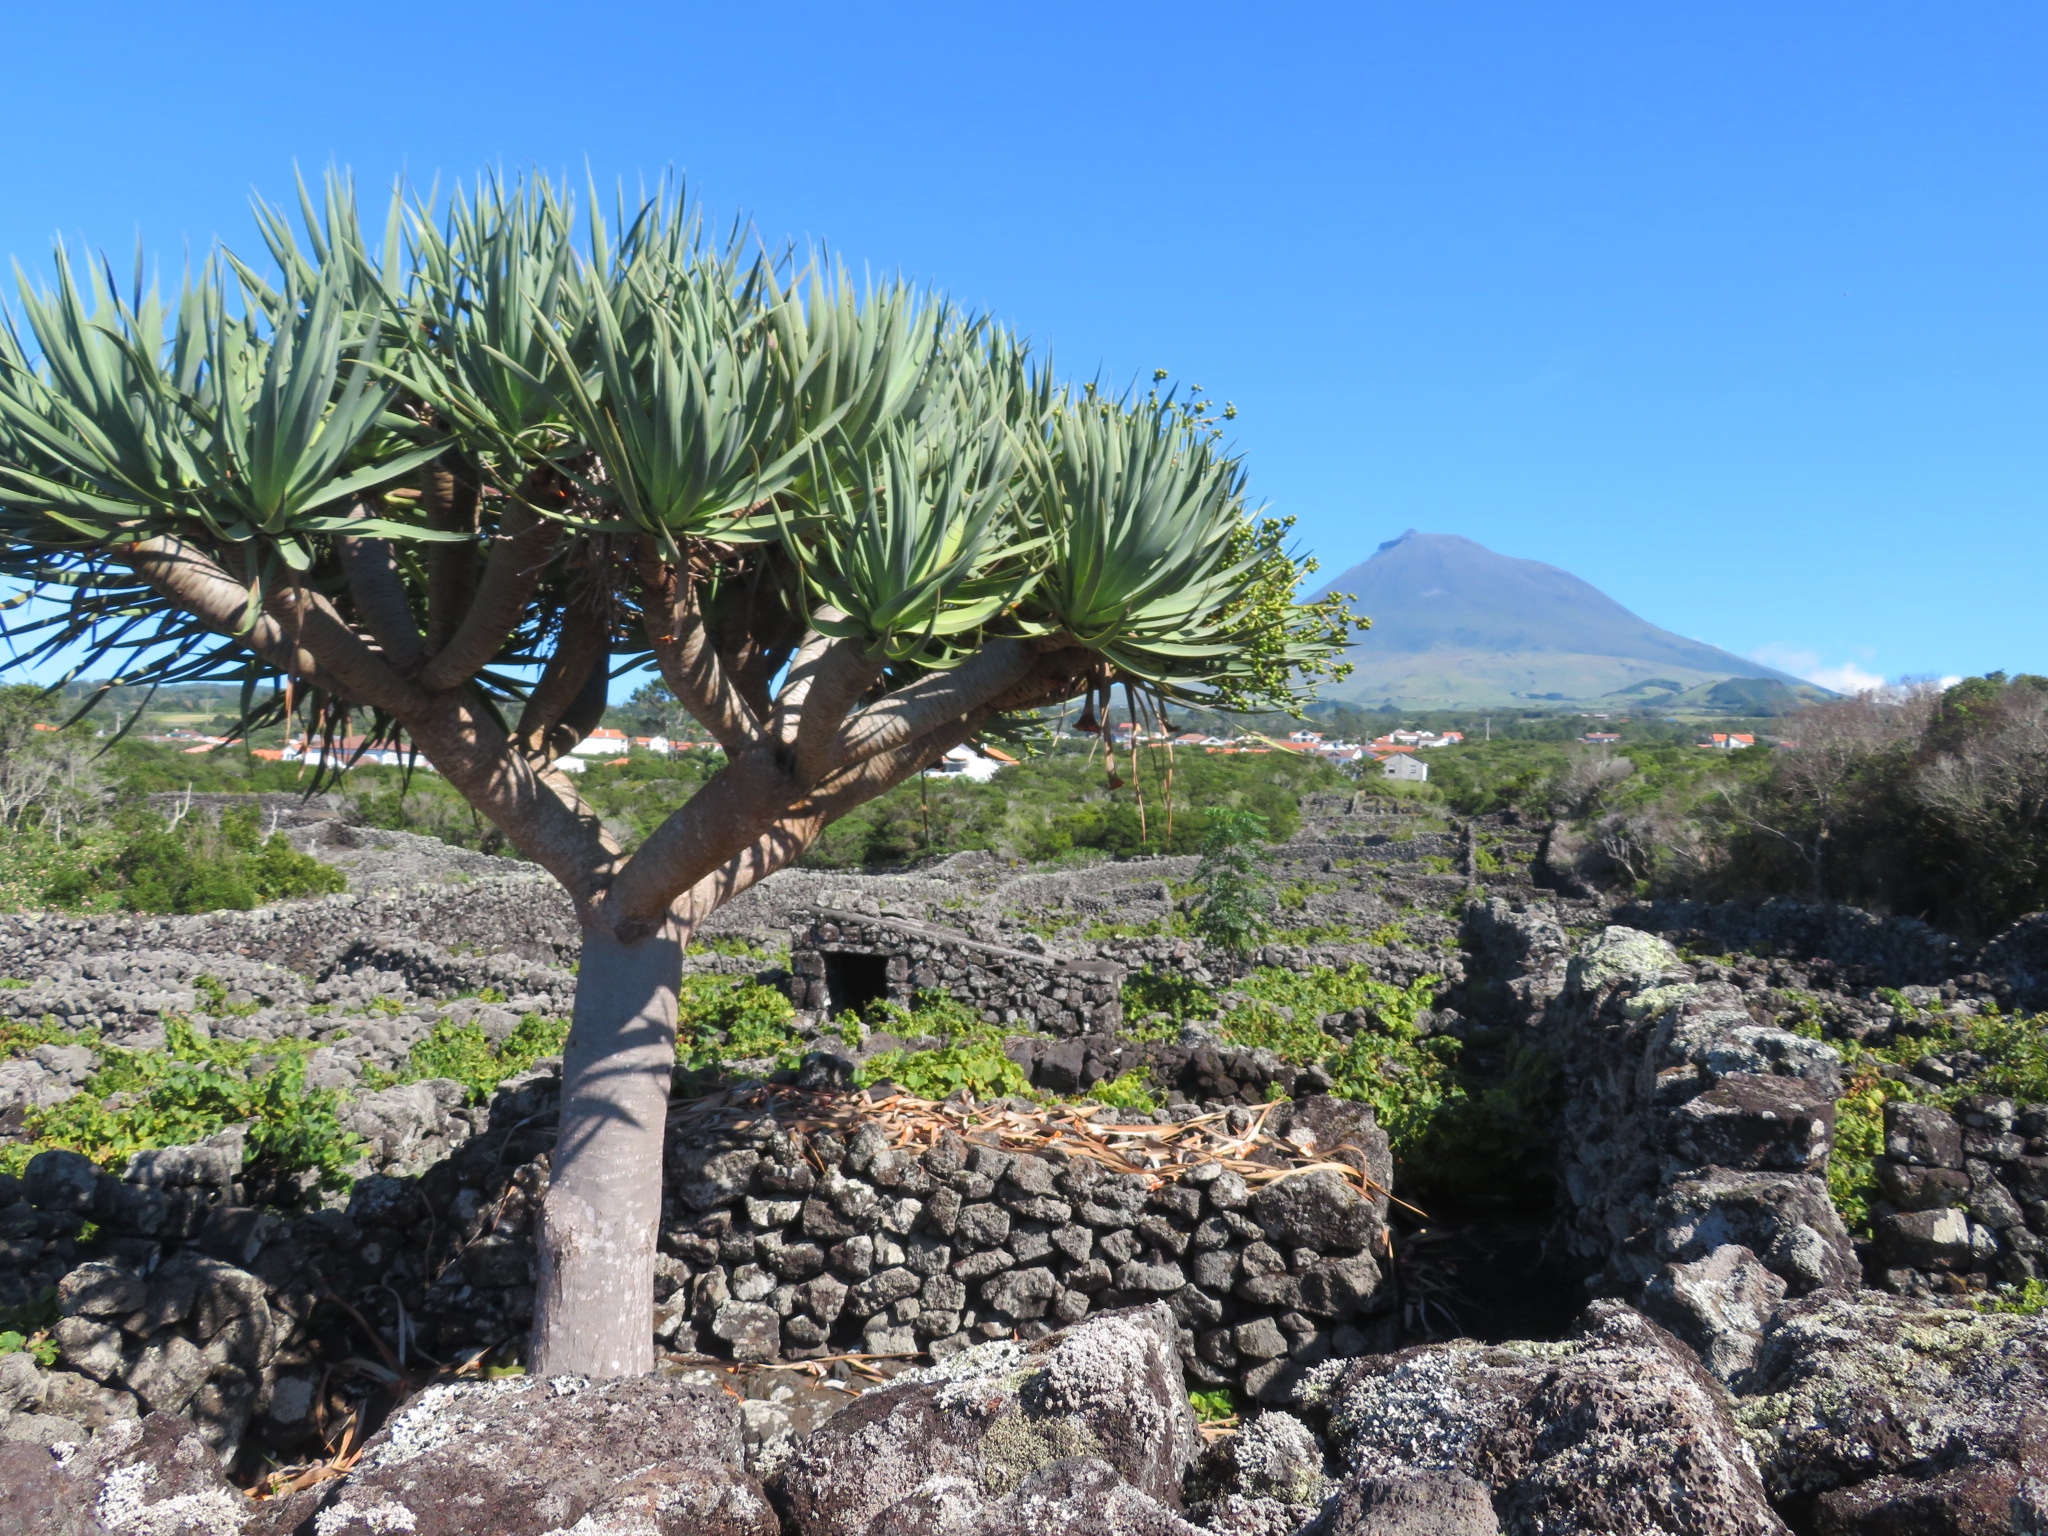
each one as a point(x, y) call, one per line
point(192, 867)
point(140, 1100)
point(1128, 1091)
point(969, 1060)
point(463, 1052)
point(25, 1328)
point(1233, 911)
point(720, 1019)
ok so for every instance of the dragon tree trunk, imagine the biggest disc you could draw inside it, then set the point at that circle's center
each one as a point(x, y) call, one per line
point(594, 1312)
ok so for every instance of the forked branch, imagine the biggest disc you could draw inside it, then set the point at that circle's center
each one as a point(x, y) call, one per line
point(523, 544)
point(673, 613)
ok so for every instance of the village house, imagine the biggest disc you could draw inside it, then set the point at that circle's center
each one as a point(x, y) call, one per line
point(1404, 767)
point(602, 742)
point(979, 764)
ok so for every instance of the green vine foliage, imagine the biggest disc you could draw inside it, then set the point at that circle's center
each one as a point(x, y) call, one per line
point(25, 1328)
point(1128, 1090)
point(969, 1058)
point(2014, 1050)
point(1480, 1121)
point(140, 1100)
point(723, 1019)
point(463, 1052)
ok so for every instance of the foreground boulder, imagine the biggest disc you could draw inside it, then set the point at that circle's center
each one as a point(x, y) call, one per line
point(148, 1477)
point(644, 1457)
point(1080, 1496)
point(937, 1448)
point(1614, 1428)
point(1882, 1414)
point(524, 1457)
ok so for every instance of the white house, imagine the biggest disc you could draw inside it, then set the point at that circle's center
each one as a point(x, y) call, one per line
point(979, 764)
point(1405, 766)
point(602, 742)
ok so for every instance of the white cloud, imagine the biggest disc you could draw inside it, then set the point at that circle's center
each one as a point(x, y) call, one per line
point(1786, 657)
point(1847, 678)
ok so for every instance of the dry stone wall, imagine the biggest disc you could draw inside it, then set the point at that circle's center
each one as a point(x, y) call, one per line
point(1964, 1195)
point(845, 959)
point(1695, 1145)
point(784, 1244)
point(775, 1244)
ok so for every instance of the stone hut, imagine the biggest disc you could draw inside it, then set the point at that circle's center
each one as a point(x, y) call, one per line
point(844, 960)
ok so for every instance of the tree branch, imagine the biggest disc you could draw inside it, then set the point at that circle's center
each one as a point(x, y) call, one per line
point(378, 591)
point(689, 662)
point(450, 501)
point(755, 627)
point(192, 582)
point(523, 543)
point(791, 836)
point(542, 815)
point(917, 707)
point(758, 790)
point(309, 640)
point(825, 680)
point(364, 675)
point(583, 645)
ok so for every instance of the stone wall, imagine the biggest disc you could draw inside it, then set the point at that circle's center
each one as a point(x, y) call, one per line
point(1895, 951)
point(841, 959)
point(1963, 1194)
point(189, 1298)
point(1695, 1147)
point(523, 915)
point(896, 1250)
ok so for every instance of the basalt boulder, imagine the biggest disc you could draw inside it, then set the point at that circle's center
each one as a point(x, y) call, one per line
point(1614, 1428)
point(1882, 1414)
point(1106, 1391)
point(523, 1457)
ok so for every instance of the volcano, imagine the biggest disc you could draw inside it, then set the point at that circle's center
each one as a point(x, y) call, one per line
point(1455, 625)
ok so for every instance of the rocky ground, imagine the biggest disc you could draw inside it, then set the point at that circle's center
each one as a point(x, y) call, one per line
point(1738, 1216)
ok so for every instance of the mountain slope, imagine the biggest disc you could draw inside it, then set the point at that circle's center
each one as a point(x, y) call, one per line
point(1456, 624)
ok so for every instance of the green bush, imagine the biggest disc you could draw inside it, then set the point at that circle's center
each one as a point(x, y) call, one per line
point(2027, 1299)
point(1409, 1081)
point(1234, 909)
point(720, 1019)
point(1127, 1091)
point(2015, 1052)
point(25, 1328)
point(139, 1100)
point(464, 1053)
point(970, 1059)
point(195, 866)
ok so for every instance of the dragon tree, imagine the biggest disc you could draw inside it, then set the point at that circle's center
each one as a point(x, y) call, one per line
point(440, 486)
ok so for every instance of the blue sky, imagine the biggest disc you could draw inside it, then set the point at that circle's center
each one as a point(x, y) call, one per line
point(1738, 311)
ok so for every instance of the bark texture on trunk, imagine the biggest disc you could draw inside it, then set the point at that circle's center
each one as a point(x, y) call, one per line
point(594, 1312)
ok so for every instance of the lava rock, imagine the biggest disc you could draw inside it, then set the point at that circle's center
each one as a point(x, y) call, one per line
point(1323, 1211)
point(1614, 1428)
point(1414, 1503)
point(1720, 1305)
point(523, 1457)
point(1922, 1135)
point(1109, 1389)
point(1881, 1413)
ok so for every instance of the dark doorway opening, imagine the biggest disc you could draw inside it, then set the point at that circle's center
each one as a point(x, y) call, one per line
point(854, 981)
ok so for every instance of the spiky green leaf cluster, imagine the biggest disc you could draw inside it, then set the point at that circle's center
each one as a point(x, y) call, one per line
point(930, 483)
